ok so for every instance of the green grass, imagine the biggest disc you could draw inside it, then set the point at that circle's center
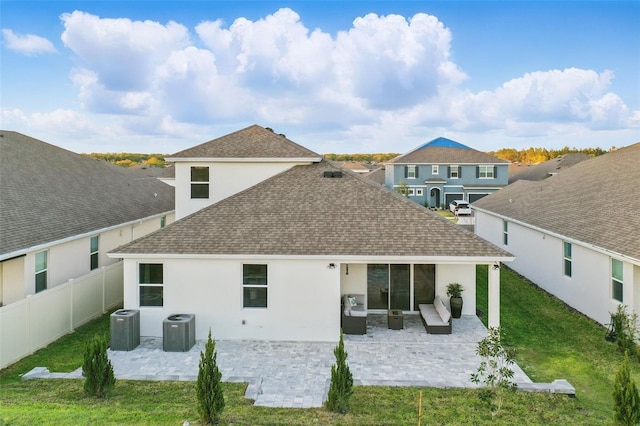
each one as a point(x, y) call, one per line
point(552, 342)
point(555, 342)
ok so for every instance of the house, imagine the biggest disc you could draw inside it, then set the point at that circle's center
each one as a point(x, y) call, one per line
point(575, 234)
point(272, 261)
point(548, 168)
point(442, 170)
point(61, 212)
point(356, 166)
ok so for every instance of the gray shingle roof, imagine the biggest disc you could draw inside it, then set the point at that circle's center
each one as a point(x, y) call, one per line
point(454, 153)
point(301, 212)
point(251, 142)
point(595, 201)
point(48, 194)
point(546, 169)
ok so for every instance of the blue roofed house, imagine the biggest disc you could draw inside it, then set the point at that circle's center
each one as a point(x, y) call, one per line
point(443, 170)
point(269, 251)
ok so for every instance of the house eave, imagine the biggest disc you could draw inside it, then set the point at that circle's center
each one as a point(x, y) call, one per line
point(243, 160)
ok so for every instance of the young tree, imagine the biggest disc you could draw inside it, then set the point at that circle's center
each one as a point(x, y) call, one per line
point(341, 386)
point(97, 369)
point(209, 385)
point(494, 371)
point(403, 189)
point(626, 400)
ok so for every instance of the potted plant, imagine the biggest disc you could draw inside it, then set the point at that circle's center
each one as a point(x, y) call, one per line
point(454, 291)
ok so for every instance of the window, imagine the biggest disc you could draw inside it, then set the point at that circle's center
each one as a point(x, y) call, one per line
point(411, 192)
point(567, 259)
point(41, 271)
point(163, 221)
point(486, 172)
point(616, 279)
point(151, 284)
point(254, 286)
point(411, 172)
point(454, 172)
point(93, 252)
point(419, 192)
point(434, 169)
point(199, 182)
point(505, 232)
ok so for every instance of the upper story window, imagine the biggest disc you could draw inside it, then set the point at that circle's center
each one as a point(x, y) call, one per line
point(254, 286)
point(151, 281)
point(567, 258)
point(411, 172)
point(41, 271)
point(94, 248)
point(486, 172)
point(616, 280)
point(454, 172)
point(199, 182)
point(435, 169)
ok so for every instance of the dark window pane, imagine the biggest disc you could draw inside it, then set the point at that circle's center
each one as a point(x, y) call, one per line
point(424, 281)
point(567, 267)
point(151, 296)
point(151, 273)
point(199, 174)
point(94, 261)
point(377, 286)
point(199, 190)
point(617, 290)
point(255, 297)
point(41, 281)
point(254, 274)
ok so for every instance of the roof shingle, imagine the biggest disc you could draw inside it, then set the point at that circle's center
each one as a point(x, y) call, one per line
point(445, 151)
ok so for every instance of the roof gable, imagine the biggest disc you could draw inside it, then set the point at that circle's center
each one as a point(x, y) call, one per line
point(446, 151)
point(300, 212)
point(252, 142)
point(594, 201)
point(48, 194)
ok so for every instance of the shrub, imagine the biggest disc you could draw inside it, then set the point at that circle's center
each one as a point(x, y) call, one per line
point(341, 386)
point(494, 371)
point(625, 330)
point(97, 369)
point(626, 400)
point(209, 385)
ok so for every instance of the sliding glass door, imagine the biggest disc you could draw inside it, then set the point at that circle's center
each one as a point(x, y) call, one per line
point(390, 287)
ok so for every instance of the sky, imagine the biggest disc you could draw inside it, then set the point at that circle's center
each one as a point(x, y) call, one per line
point(334, 76)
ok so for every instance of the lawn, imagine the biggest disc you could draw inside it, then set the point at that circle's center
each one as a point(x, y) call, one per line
point(551, 340)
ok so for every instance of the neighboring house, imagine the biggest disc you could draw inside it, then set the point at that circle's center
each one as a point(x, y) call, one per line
point(442, 170)
point(356, 167)
point(576, 234)
point(548, 168)
point(273, 260)
point(60, 212)
point(377, 176)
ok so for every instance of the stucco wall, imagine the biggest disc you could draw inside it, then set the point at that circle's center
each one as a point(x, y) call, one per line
point(225, 179)
point(539, 257)
point(303, 299)
point(463, 274)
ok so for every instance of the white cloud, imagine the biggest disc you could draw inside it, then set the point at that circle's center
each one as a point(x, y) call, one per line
point(28, 44)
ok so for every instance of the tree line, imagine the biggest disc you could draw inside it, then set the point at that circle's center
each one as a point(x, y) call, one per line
point(526, 155)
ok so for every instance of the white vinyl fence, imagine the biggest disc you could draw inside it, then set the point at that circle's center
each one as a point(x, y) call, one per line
point(37, 320)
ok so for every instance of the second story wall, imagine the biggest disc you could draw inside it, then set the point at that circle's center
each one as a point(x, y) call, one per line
point(215, 181)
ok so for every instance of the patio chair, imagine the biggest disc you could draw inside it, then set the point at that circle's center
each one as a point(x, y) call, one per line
point(354, 314)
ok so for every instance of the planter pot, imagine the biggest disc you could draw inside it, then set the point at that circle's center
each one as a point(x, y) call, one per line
point(456, 306)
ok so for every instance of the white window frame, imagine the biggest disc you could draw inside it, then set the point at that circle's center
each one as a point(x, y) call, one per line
point(411, 192)
point(150, 285)
point(94, 253)
point(249, 286)
point(435, 169)
point(419, 192)
point(457, 172)
point(567, 259)
point(44, 271)
point(411, 171)
point(617, 280)
point(488, 172)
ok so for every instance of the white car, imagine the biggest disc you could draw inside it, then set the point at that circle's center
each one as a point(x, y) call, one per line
point(459, 207)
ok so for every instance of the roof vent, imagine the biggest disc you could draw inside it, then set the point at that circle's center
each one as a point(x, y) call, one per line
point(332, 174)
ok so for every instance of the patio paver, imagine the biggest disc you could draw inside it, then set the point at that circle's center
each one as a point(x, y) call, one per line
point(297, 374)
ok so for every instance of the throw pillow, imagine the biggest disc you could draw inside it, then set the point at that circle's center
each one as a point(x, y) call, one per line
point(353, 301)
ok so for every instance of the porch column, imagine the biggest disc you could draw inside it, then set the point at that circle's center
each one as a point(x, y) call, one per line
point(494, 295)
